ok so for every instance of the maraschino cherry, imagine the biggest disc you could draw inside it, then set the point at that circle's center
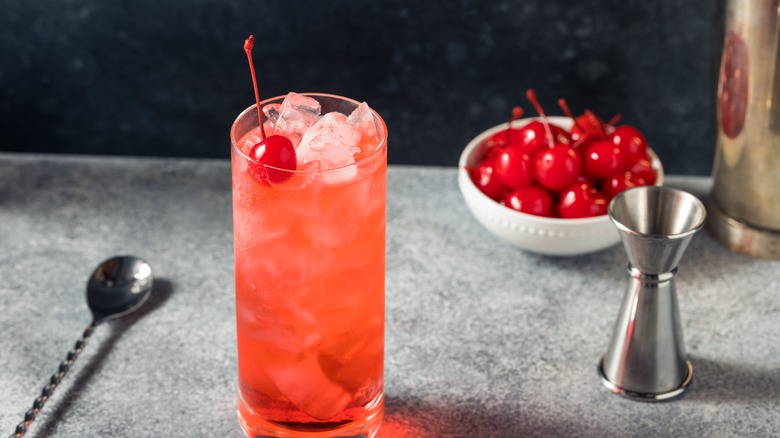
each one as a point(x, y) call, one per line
point(532, 200)
point(505, 137)
point(622, 181)
point(485, 178)
point(556, 167)
point(644, 168)
point(582, 200)
point(541, 170)
point(514, 167)
point(587, 128)
point(275, 152)
point(631, 141)
point(603, 158)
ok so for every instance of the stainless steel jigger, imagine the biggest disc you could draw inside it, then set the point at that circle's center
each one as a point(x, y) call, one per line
point(646, 359)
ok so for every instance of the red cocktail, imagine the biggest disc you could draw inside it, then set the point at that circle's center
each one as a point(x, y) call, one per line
point(310, 268)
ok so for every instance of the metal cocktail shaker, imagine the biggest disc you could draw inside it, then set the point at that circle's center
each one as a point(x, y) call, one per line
point(745, 201)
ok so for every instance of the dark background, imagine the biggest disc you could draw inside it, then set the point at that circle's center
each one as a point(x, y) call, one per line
point(167, 78)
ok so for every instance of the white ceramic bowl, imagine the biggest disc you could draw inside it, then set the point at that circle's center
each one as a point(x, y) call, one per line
point(543, 235)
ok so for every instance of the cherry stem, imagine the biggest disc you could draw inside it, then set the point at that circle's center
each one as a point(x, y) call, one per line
point(531, 95)
point(517, 112)
point(616, 118)
point(579, 141)
point(565, 107)
point(248, 45)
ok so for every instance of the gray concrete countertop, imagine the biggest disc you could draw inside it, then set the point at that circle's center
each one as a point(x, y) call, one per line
point(482, 339)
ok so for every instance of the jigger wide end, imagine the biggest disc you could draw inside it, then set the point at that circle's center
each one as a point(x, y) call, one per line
point(656, 225)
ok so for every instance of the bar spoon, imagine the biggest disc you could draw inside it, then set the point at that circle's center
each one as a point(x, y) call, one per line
point(117, 287)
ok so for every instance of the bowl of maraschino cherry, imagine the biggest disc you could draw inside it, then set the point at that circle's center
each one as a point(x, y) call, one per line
point(544, 183)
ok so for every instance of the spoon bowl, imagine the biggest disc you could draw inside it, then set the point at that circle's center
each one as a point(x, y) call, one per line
point(117, 287)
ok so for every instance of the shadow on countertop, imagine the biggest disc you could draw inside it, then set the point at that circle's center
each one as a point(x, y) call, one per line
point(716, 380)
point(161, 293)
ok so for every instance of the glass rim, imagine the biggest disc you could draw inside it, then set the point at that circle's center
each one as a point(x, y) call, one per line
point(378, 150)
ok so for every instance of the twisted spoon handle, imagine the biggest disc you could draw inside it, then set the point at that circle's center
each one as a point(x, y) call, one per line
point(55, 380)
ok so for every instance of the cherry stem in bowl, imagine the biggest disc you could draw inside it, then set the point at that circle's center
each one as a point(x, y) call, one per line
point(531, 95)
point(565, 107)
point(613, 121)
point(517, 112)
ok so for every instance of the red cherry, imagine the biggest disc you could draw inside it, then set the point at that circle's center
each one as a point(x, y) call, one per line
point(508, 135)
point(580, 138)
point(560, 135)
point(591, 125)
point(502, 138)
point(603, 158)
point(557, 167)
point(582, 200)
point(644, 169)
point(631, 141)
point(537, 134)
point(491, 150)
point(621, 181)
point(532, 136)
point(532, 200)
point(486, 180)
point(586, 129)
point(616, 184)
point(514, 167)
point(531, 95)
point(276, 153)
point(276, 156)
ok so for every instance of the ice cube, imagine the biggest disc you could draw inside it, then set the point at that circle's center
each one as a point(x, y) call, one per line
point(306, 386)
point(331, 232)
point(354, 359)
point(250, 139)
point(290, 262)
point(362, 119)
point(296, 114)
point(334, 228)
point(333, 143)
point(272, 111)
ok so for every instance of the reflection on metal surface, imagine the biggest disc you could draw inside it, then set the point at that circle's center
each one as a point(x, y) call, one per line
point(746, 174)
point(733, 86)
